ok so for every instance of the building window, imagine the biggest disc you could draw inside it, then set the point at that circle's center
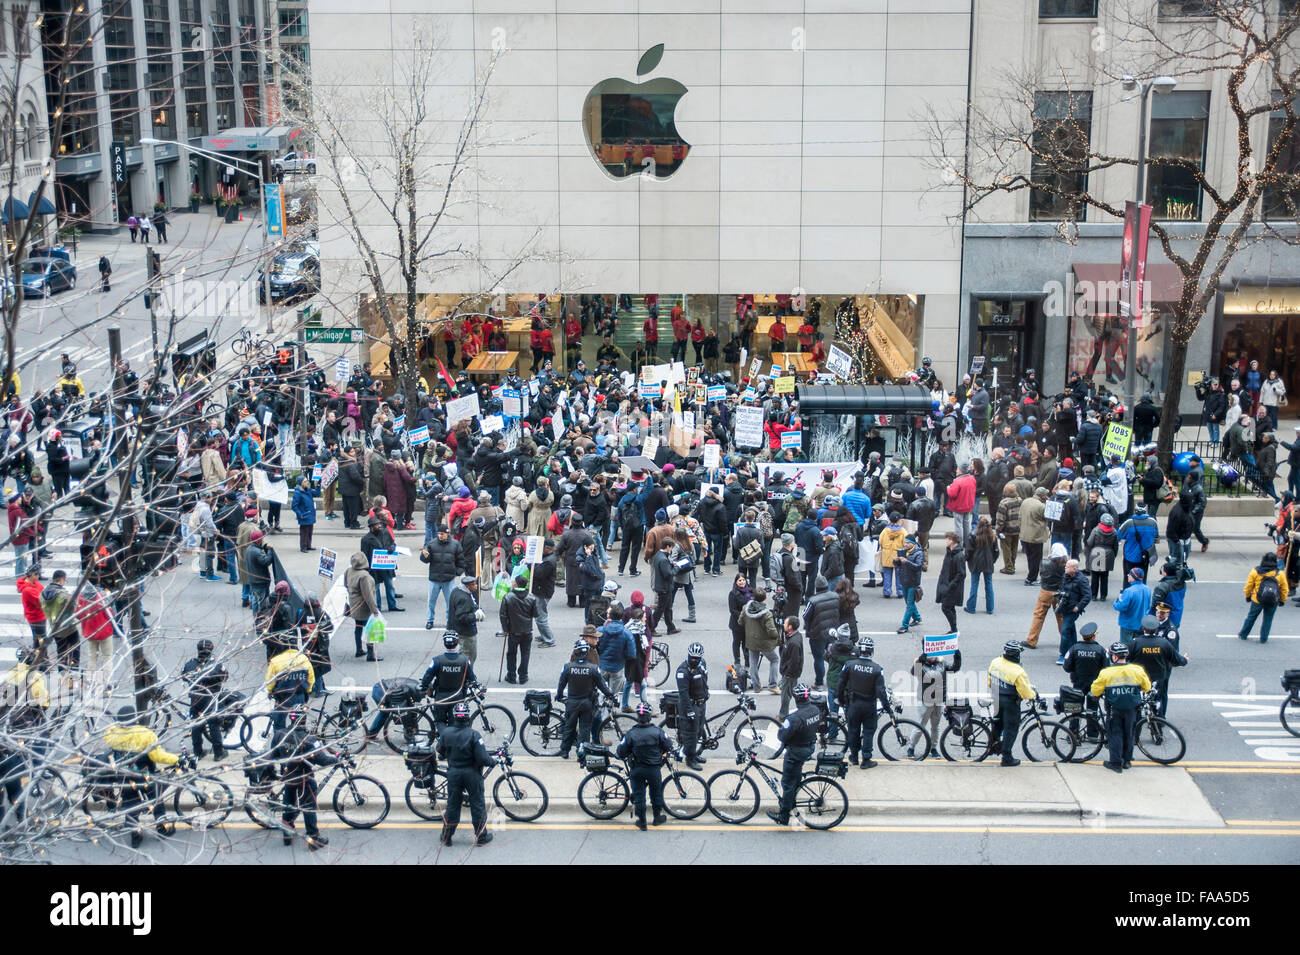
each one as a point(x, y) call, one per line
point(1279, 202)
point(1185, 8)
point(1062, 127)
point(1179, 127)
point(1059, 9)
point(22, 42)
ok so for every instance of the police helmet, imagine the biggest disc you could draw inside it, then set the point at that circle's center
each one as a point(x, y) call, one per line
point(450, 640)
point(643, 713)
point(695, 651)
point(802, 692)
point(864, 647)
point(1119, 649)
point(581, 646)
point(478, 523)
point(1011, 650)
point(205, 648)
point(460, 712)
point(126, 715)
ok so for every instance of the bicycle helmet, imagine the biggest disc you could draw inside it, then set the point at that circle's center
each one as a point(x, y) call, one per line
point(865, 646)
point(205, 648)
point(581, 646)
point(126, 715)
point(802, 692)
point(1011, 650)
point(450, 640)
point(643, 713)
point(460, 712)
point(695, 651)
point(1119, 649)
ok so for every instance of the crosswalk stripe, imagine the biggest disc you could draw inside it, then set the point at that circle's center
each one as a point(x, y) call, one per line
point(1271, 636)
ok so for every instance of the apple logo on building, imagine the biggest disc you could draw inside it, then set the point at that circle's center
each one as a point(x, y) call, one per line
point(630, 127)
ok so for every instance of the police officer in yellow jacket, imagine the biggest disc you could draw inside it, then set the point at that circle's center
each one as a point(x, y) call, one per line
point(23, 703)
point(136, 750)
point(1010, 684)
point(289, 677)
point(1123, 683)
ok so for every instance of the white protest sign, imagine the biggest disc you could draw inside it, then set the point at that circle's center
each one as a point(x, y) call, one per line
point(712, 455)
point(791, 439)
point(939, 647)
point(341, 369)
point(511, 403)
point(399, 422)
point(383, 560)
point(329, 474)
point(749, 394)
point(419, 435)
point(677, 373)
point(650, 389)
point(688, 420)
point(276, 492)
point(717, 392)
point(557, 427)
point(461, 409)
point(650, 447)
point(839, 363)
point(266, 418)
point(492, 424)
point(532, 550)
point(754, 366)
point(749, 427)
point(315, 472)
point(335, 601)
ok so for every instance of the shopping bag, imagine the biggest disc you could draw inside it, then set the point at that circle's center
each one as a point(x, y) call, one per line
point(375, 630)
point(868, 551)
point(500, 585)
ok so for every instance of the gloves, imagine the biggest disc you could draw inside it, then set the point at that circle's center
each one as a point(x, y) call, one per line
point(478, 615)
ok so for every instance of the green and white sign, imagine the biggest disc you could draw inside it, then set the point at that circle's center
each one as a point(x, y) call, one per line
point(334, 336)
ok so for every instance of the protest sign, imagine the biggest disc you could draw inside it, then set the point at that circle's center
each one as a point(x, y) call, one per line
point(785, 385)
point(712, 455)
point(383, 560)
point(650, 447)
point(839, 363)
point(511, 404)
point(791, 439)
point(461, 409)
point(749, 427)
point(717, 392)
point(941, 646)
point(326, 566)
point(532, 550)
point(492, 423)
point(419, 436)
point(1116, 442)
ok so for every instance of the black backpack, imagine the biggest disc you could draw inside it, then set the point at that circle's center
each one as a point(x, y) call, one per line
point(1268, 594)
point(627, 513)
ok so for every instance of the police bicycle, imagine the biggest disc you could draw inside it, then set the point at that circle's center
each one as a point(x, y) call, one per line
point(521, 796)
point(658, 667)
point(1159, 740)
point(894, 739)
point(199, 800)
point(42, 802)
point(344, 729)
point(360, 801)
point(605, 793)
point(820, 801)
point(1290, 713)
point(968, 737)
point(1044, 740)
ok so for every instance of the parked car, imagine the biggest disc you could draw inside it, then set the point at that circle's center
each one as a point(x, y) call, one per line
point(295, 162)
point(294, 275)
point(44, 276)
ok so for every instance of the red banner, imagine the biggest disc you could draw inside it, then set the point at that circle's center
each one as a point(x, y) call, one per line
point(1126, 258)
point(1140, 261)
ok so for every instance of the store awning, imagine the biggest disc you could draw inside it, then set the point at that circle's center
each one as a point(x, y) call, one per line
point(14, 210)
point(1164, 280)
point(46, 207)
point(862, 399)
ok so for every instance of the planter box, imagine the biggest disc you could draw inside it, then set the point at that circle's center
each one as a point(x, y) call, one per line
point(194, 205)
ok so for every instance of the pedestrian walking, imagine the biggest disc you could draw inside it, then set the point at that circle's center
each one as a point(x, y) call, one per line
point(160, 223)
point(105, 270)
point(132, 224)
point(952, 578)
point(145, 226)
point(303, 506)
point(981, 557)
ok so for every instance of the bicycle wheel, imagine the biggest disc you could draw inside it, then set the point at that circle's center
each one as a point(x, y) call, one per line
point(660, 668)
point(622, 723)
point(496, 725)
point(733, 797)
point(1290, 715)
point(256, 732)
point(821, 802)
point(348, 734)
point(760, 731)
point(240, 346)
point(413, 730)
point(1160, 741)
point(894, 741)
point(686, 795)
point(835, 739)
point(265, 349)
point(1085, 739)
point(265, 806)
point(428, 802)
point(212, 801)
point(603, 795)
point(965, 744)
point(361, 801)
point(520, 796)
point(606, 733)
point(1040, 741)
point(45, 797)
point(543, 740)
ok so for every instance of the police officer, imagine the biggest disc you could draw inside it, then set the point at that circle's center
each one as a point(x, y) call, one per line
point(205, 677)
point(692, 699)
point(25, 700)
point(1157, 656)
point(581, 679)
point(861, 686)
point(1123, 683)
point(448, 678)
point(289, 676)
point(461, 748)
point(646, 746)
point(299, 752)
point(798, 736)
point(1085, 659)
point(136, 750)
point(1010, 684)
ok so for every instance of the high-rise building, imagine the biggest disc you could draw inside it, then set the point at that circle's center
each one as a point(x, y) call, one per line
point(24, 136)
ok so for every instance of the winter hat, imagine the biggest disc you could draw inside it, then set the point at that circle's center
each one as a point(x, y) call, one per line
point(828, 532)
point(669, 468)
point(1058, 550)
point(255, 536)
point(463, 492)
point(787, 538)
point(1106, 520)
point(1040, 492)
point(638, 599)
point(1137, 573)
point(672, 511)
point(1068, 462)
point(251, 512)
point(282, 586)
point(661, 515)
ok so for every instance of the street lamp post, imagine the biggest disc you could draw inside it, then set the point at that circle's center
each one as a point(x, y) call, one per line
point(253, 169)
point(1161, 84)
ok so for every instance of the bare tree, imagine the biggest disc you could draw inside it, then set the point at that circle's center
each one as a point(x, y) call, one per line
point(1244, 48)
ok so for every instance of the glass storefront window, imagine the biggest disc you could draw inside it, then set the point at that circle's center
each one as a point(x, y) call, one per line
point(1179, 124)
point(1279, 202)
point(630, 127)
point(1062, 128)
point(1079, 9)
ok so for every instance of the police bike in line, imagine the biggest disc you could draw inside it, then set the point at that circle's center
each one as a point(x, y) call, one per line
point(1290, 714)
point(969, 738)
point(604, 793)
point(521, 796)
point(360, 801)
point(1081, 733)
point(820, 801)
point(198, 800)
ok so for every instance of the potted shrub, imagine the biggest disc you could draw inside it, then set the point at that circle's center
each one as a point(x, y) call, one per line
point(195, 199)
point(232, 211)
point(219, 205)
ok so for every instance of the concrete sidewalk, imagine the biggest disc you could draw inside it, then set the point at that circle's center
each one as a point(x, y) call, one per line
point(1086, 795)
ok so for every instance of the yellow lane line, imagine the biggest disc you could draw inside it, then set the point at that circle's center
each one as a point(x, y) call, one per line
point(1263, 829)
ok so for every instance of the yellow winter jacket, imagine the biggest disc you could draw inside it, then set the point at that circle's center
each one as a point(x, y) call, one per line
point(286, 662)
point(1123, 685)
point(138, 739)
point(891, 541)
point(1253, 582)
point(35, 692)
point(1005, 676)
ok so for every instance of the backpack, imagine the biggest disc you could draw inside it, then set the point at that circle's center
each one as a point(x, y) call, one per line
point(751, 552)
point(1268, 594)
point(774, 566)
point(627, 513)
point(1167, 492)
